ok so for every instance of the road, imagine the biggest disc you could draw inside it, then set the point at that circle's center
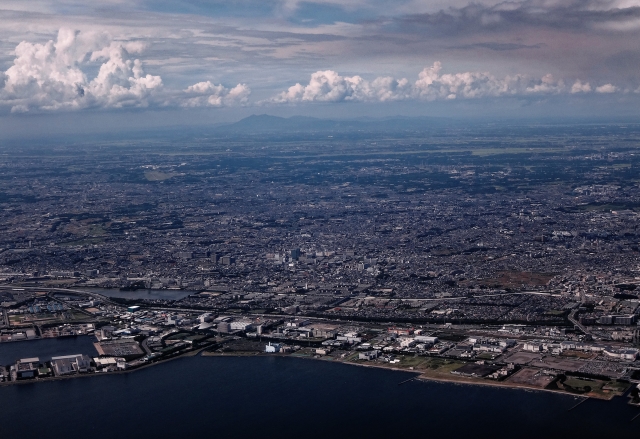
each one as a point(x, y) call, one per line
point(572, 319)
point(145, 346)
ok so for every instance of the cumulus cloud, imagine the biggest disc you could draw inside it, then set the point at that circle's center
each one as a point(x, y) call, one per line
point(432, 84)
point(580, 87)
point(93, 70)
point(329, 86)
point(607, 88)
point(51, 76)
point(206, 94)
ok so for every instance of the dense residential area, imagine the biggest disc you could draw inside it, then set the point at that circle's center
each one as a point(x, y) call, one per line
point(470, 259)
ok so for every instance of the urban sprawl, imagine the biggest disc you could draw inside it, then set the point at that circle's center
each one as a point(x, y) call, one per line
point(502, 256)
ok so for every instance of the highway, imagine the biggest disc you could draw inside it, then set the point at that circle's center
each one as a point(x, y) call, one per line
point(572, 319)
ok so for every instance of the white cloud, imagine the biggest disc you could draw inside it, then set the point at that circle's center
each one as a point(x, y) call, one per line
point(432, 85)
point(325, 86)
point(390, 89)
point(329, 86)
point(205, 94)
point(607, 88)
point(80, 70)
point(580, 87)
point(51, 76)
point(121, 81)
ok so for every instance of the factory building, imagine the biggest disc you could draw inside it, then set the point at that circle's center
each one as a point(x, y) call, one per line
point(70, 364)
point(27, 368)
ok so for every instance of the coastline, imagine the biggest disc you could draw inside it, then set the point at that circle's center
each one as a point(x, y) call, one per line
point(97, 374)
point(418, 375)
point(428, 377)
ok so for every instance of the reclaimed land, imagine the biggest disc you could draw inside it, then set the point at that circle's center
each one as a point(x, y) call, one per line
point(437, 369)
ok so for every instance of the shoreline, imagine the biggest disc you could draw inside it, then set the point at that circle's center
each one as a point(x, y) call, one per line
point(425, 377)
point(97, 374)
point(418, 375)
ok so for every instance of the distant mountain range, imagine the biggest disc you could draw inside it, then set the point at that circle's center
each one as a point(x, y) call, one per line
point(273, 124)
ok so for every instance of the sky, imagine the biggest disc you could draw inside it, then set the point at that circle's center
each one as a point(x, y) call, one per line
point(89, 66)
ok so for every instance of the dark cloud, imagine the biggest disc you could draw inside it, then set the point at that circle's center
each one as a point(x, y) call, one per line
point(500, 47)
point(626, 59)
point(566, 16)
point(278, 36)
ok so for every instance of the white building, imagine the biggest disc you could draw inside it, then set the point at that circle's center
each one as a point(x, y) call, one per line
point(69, 364)
point(369, 355)
point(407, 343)
point(241, 325)
point(623, 354)
point(532, 346)
point(350, 337)
point(273, 348)
point(426, 339)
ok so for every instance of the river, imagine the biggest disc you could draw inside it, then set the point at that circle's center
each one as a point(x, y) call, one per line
point(46, 348)
point(142, 294)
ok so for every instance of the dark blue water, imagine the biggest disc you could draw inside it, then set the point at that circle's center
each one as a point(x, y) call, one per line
point(46, 348)
point(271, 397)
